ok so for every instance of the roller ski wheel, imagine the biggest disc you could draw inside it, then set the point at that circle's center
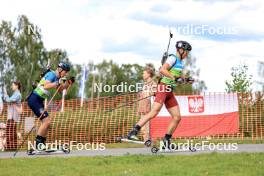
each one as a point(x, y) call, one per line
point(148, 143)
point(192, 149)
point(118, 139)
point(64, 148)
point(154, 150)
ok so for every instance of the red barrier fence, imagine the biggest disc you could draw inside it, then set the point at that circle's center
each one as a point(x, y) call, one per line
point(202, 115)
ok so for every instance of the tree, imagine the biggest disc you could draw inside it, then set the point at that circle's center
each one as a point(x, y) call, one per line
point(110, 73)
point(23, 56)
point(6, 42)
point(27, 55)
point(241, 81)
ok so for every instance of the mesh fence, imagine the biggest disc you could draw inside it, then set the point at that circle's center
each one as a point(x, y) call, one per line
point(106, 118)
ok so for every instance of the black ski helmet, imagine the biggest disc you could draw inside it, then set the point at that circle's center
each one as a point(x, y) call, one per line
point(184, 45)
point(64, 66)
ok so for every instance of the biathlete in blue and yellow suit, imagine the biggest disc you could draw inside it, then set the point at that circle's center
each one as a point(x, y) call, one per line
point(51, 80)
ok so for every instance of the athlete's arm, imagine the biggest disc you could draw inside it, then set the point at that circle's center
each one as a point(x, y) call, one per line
point(50, 81)
point(164, 70)
point(50, 85)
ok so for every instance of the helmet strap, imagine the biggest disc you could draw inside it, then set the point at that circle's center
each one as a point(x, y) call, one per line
point(60, 71)
point(180, 53)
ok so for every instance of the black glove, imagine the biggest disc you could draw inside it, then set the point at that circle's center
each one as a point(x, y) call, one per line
point(179, 80)
point(62, 80)
point(71, 80)
point(189, 80)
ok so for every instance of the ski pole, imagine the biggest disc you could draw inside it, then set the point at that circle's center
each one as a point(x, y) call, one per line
point(131, 102)
point(171, 35)
point(60, 103)
point(126, 93)
point(165, 55)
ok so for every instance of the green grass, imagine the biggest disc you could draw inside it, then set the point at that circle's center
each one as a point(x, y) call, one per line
point(136, 165)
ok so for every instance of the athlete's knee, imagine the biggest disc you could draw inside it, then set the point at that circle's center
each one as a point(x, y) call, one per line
point(177, 118)
point(43, 115)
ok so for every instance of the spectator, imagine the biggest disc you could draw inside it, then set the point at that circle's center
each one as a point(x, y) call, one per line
point(144, 105)
point(14, 110)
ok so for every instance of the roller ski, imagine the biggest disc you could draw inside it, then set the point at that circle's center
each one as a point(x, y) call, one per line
point(132, 138)
point(167, 147)
point(48, 151)
point(147, 143)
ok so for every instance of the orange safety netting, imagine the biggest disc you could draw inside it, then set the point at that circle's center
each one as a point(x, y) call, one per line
point(106, 118)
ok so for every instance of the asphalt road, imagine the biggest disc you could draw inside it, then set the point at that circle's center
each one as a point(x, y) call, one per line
point(136, 151)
